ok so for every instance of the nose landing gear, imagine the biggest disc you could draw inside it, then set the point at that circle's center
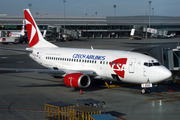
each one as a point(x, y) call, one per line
point(146, 87)
point(146, 91)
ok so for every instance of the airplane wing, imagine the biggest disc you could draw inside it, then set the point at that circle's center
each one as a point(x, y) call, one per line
point(54, 72)
point(62, 72)
point(15, 49)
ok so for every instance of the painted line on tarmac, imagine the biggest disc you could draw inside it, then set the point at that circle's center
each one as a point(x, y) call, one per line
point(4, 57)
point(154, 99)
point(33, 110)
point(166, 101)
point(118, 117)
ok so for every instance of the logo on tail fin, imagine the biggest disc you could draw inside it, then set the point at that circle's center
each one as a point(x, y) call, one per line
point(33, 37)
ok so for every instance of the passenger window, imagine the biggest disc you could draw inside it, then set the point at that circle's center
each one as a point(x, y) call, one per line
point(100, 62)
point(79, 60)
point(92, 61)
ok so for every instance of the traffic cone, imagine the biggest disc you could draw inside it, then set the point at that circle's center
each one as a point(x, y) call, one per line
point(80, 91)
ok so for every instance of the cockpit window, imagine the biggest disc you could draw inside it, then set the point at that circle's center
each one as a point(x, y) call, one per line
point(146, 64)
point(152, 64)
point(156, 64)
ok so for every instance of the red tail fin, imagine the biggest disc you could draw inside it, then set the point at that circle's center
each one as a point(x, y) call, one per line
point(35, 37)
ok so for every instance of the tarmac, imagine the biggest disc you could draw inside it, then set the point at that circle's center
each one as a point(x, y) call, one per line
point(23, 95)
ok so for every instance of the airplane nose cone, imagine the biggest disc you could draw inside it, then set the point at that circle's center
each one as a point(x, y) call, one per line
point(164, 73)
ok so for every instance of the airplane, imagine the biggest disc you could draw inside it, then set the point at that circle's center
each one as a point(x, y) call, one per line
point(80, 66)
point(18, 34)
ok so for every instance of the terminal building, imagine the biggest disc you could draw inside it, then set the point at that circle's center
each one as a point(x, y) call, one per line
point(96, 26)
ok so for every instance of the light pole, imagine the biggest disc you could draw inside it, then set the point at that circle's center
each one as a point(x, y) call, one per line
point(150, 14)
point(64, 15)
point(30, 6)
point(86, 22)
point(114, 10)
point(153, 11)
point(96, 14)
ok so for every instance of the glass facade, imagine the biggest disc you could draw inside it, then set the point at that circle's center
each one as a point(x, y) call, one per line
point(98, 27)
point(166, 27)
point(94, 27)
point(18, 27)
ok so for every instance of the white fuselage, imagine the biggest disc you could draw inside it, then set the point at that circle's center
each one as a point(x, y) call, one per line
point(128, 66)
point(16, 34)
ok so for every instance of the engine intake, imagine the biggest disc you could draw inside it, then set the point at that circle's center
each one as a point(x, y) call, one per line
point(77, 80)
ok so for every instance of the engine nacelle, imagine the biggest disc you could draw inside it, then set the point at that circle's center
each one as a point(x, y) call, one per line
point(77, 80)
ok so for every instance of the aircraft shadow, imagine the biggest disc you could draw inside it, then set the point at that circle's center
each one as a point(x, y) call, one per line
point(161, 87)
point(100, 84)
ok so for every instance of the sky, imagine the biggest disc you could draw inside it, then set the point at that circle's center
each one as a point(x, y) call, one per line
point(102, 7)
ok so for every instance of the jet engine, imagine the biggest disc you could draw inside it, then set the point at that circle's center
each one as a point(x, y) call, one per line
point(77, 80)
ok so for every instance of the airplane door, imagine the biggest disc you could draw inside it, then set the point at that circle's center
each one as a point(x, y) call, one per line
point(83, 62)
point(132, 65)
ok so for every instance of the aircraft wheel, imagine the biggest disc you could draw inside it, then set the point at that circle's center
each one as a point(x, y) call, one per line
point(143, 91)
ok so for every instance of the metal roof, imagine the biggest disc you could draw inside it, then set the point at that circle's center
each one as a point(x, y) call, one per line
point(83, 20)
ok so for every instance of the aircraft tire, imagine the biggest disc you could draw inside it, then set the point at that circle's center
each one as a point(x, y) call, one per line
point(145, 91)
